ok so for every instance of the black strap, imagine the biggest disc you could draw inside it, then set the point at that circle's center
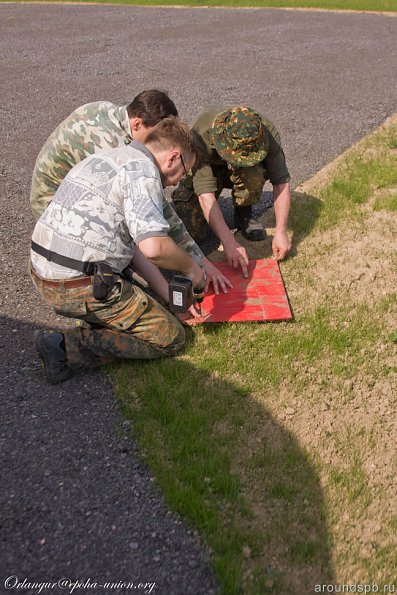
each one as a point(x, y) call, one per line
point(84, 267)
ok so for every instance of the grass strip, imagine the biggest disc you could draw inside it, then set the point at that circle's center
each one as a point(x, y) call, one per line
point(355, 5)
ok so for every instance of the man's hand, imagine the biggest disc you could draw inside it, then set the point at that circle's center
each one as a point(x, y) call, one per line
point(281, 244)
point(236, 255)
point(198, 277)
point(215, 277)
point(188, 318)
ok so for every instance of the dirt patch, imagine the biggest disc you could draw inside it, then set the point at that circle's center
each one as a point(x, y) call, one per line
point(355, 262)
point(349, 421)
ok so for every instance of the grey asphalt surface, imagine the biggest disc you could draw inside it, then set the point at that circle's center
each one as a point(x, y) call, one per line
point(75, 501)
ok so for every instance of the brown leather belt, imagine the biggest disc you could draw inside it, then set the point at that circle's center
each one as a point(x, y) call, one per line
point(59, 283)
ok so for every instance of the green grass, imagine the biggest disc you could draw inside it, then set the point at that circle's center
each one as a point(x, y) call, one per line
point(360, 5)
point(211, 422)
point(387, 201)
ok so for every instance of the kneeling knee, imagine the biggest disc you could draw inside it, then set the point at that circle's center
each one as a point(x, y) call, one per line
point(178, 341)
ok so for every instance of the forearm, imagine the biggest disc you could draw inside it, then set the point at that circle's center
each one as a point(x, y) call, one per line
point(282, 201)
point(163, 252)
point(179, 233)
point(148, 271)
point(281, 244)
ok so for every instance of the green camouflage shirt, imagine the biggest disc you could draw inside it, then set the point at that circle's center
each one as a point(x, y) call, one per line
point(204, 179)
point(89, 129)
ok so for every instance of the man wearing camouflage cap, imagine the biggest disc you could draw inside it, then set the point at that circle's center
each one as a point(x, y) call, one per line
point(239, 149)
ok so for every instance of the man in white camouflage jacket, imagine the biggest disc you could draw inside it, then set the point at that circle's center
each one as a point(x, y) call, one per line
point(106, 213)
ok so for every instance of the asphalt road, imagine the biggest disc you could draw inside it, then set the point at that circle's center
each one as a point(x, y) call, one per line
point(75, 501)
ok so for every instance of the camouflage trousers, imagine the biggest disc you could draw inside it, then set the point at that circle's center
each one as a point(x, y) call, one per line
point(246, 184)
point(129, 324)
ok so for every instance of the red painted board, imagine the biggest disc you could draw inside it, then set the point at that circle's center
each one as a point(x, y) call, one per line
point(260, 297)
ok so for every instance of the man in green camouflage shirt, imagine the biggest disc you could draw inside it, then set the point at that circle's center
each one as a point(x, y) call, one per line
point(239, 149)
point(103, 125)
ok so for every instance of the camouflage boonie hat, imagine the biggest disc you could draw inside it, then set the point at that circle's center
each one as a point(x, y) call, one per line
point(239, 137)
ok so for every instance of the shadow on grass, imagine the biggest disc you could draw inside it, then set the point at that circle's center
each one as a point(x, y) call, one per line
point(304, 213)
point(233, 471)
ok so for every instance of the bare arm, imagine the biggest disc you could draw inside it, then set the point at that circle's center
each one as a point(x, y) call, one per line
point(163, 252)
point(157, 282)
point(236, 255)
point(180, 235)
point(282, 199)
point(151, 274)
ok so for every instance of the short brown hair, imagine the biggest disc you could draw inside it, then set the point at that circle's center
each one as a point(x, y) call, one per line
point(172, 133)
point(152, 106)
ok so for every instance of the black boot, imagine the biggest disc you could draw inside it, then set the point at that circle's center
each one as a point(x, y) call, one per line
point(251, 229)
point(52, 352)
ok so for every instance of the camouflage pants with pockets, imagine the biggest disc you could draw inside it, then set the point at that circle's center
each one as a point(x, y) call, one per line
point(129, 324)
point(246, 184)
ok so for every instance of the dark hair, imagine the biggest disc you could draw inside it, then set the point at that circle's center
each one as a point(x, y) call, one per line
point(172, 133)
point(152, 106)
